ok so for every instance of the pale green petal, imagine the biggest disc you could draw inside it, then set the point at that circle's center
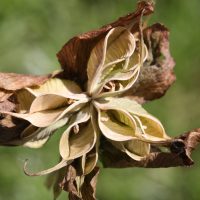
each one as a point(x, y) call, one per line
point(118, 113)
point(151, 126)
point(122, 74)
point(126, 78)
point(118, 45)
point(35, 137)
point(112, 128)
point(82, 116)
point(133, 60)
point(48, 117)
point(75, 145)
point(38, 138)
point(82, 142)
point(48, 102)
point(55, 85)
point(51, 101)
point(92, 157)
point(135, 148)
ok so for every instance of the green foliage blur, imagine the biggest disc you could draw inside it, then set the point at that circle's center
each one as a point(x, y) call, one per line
point(32, 32)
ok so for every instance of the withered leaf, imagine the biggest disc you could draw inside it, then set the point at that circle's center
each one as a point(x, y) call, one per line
point(180, 150)
point(68, 184)
point(12, 81)
point(4, 94)
point(74, 55)
point(88, 188)
point(157, 75)
point(11, 104)
point(11, 129)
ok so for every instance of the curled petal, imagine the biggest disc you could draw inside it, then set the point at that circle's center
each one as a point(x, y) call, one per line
point(106, 54)
point(92, 156)
point(179, 155)
point(52, 101)
point(35, 137)
point(124, 77)
point(75, 145)
point(60, 165)
point(151, 127)
point(135, 148)
point(45, 118)
point(55, 85)
point(124, 73)
point(72, 57)
point(120, 126)
point(134, 59)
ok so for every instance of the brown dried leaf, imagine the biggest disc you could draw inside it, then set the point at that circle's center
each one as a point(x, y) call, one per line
point(88, 188)
point(12, 81)
point(68, 184)
point(180, 150)
point(74, 55)
point(11, 104)
point(157, 75)
point(11, 129)
point(4, 94)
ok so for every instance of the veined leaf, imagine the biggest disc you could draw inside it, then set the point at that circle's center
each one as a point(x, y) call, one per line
point(126, 78)
point(55, 85)
point(151, 126)
point(52, 101)
point(92, 156)
point(47, 117)
point(135, 148)
point(112, 128)
point(35, 137)
point(73, 145)
point(134, 60)
point(118, 45)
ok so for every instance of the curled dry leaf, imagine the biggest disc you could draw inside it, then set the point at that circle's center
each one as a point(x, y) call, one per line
point(11, 81)
point(156, 75)
point(88, 188)
point(10, 127)
point(68, 182)
point(73, 58)
point(4, 95)
point(97, 66)
point(180, 149)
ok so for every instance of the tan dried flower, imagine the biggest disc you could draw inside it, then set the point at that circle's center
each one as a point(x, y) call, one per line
point(88, 97)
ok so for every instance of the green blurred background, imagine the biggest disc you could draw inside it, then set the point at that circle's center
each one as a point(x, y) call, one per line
point(32, 32)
